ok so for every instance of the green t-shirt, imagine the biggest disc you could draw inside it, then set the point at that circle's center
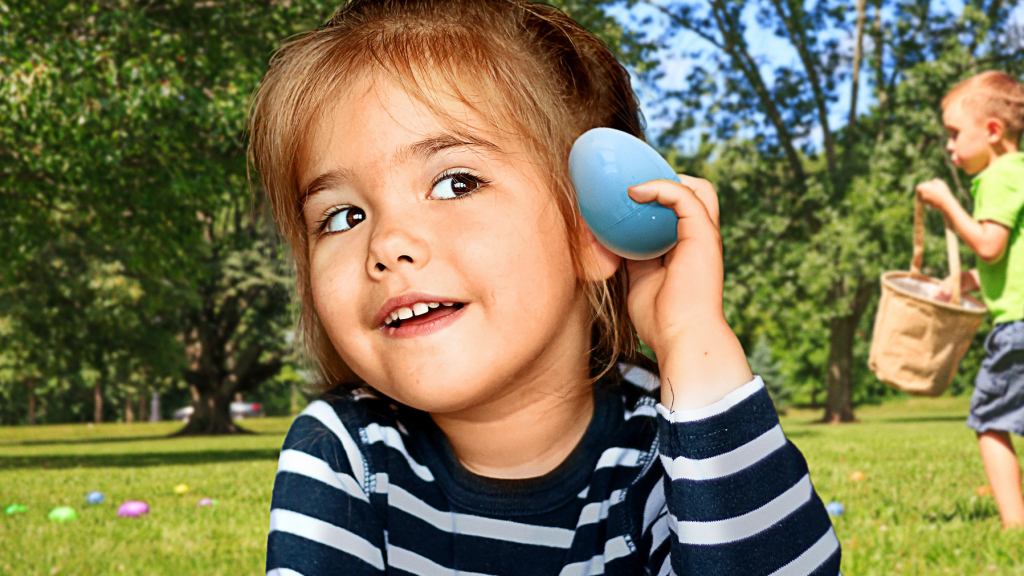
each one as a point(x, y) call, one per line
point(999, 196)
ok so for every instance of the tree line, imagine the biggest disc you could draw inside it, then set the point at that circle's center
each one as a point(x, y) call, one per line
point(138, 259)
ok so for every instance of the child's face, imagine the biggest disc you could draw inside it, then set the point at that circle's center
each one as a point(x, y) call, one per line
point(414, 216)
point(968, 142)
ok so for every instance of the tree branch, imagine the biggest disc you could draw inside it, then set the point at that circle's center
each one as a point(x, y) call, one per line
point(736, 47)
point(799, 40)
point(858, 48)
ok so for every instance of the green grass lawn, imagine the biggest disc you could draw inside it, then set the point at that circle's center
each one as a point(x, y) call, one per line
point(916, 511)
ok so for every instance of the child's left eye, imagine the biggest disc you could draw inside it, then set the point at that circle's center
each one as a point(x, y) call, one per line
point(452, 185)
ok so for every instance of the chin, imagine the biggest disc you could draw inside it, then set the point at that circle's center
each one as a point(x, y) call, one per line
point(440, 399)
point(440, 389)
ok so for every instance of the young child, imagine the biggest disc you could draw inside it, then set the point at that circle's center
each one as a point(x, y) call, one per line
point(488, 411)
point(984, 116)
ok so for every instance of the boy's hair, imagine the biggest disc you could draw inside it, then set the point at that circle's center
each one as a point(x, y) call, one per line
point(528, 69)
point(993, 94)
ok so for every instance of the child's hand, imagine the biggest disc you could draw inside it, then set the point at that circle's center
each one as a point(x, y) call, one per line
point(968, 283)
point(683, 289)
point(675, 301)
point(935, 192)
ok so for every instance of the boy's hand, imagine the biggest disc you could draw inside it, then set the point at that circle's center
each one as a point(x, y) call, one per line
point(968, 283)
point(675, 301)
point(935, 192)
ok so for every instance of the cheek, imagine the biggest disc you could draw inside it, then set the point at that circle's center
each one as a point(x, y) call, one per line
point(331, 275)
point(543, 260)
point(522, 254)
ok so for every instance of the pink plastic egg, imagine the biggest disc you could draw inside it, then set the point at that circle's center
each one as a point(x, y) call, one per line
point(132, 509)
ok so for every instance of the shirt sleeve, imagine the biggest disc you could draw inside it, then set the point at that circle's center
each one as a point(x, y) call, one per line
point(738, 494)
point(1001, 196)
point(321, 518)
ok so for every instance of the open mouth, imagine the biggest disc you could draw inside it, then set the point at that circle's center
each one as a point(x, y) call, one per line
point(421, 313)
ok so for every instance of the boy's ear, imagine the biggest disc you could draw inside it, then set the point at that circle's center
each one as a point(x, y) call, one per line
point(995, 129)
point(601, 263)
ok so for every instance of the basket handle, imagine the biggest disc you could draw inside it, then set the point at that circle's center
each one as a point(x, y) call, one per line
point(952, 251)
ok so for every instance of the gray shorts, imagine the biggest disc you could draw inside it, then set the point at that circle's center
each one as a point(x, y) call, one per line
point(998, 399)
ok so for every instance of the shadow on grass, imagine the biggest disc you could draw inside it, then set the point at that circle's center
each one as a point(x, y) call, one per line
point(974, 509)
point(800, 433)
point(117, 439)
point(63, 461)
point(920, 419)
point(98, 440)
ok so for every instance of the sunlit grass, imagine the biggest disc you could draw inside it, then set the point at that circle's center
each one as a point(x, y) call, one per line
point(922, 506)
point(917, 510)
point(50, 466)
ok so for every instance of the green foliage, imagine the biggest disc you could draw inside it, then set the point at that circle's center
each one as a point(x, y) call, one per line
point(813, 211)
point(121, 157)
point(136, 258)
point(765, 366)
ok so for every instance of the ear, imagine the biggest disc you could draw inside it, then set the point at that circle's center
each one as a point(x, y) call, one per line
point(599, 263)
point(995, 129)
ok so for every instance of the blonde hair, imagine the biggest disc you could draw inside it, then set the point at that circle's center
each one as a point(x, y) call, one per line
point(544, 77)
point(992, 94)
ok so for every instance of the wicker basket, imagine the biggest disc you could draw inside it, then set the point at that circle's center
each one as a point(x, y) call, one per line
point(918, 340)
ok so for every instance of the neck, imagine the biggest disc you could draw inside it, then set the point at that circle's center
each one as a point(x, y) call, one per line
point(530, 430)
point(1002, 147)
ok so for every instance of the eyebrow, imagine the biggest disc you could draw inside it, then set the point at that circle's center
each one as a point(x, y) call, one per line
point(423, 148)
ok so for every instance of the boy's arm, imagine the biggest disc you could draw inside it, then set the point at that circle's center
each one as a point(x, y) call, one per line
point(986, 238)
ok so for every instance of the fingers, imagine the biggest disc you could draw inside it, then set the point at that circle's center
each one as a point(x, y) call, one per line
point(692, 199)
point(706, 192)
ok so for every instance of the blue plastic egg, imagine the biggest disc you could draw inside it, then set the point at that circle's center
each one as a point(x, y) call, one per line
point(835, 508)
point(603, 164)
point(94, 498)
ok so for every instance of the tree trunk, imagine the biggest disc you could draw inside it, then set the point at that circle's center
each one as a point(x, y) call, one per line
point(211, 414)
point(129, 412)
point(97, 400)
point(839, 403)
point(842, 330)
point(142, 407)
point(31, 401)
point(154, 407)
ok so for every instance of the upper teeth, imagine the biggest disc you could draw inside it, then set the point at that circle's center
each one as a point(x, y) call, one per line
point(417, 309)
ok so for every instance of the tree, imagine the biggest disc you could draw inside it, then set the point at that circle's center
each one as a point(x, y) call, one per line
point(136, 255)
point(818, 210)
point(122, 141)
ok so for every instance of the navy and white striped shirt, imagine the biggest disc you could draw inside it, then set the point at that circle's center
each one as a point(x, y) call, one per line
point(367, 487)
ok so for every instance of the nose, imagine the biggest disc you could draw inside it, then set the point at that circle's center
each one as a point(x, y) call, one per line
point(393, 248)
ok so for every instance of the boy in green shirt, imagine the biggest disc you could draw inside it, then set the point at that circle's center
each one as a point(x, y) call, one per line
point(984, 116)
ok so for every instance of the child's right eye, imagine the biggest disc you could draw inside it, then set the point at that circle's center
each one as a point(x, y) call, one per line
point(455, 184)
point(340, 219)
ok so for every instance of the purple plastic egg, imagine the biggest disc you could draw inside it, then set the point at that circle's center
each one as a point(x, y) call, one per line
point(207, 502)
point(132, 509)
